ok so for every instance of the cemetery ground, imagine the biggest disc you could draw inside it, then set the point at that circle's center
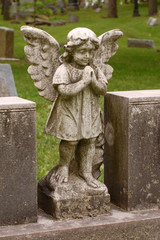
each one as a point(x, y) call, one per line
point(134, 68)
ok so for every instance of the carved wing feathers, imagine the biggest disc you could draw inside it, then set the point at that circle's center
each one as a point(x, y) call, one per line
point(107, 49)
point(43, 53)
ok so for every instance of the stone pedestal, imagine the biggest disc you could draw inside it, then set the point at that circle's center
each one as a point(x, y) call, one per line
point(74, 199)
point(132, 148)
point(6, 42)
point(18, 190)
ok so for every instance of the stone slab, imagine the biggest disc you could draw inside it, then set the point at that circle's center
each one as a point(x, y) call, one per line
point(6, 42)
point(132, 148)
point(140, 43)
point(18, 191)
point(9, 59)
point(121, 225)
point(7, 85)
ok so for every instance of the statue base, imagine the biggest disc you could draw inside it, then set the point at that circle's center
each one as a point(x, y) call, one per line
point(74, 199)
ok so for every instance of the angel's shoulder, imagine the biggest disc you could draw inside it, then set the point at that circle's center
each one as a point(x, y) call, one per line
point(61, 75)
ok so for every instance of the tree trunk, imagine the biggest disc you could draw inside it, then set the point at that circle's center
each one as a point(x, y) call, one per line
point(136, 12)
point(112, 9)
point(152, 4)
point(2, 10)
point(6, 15)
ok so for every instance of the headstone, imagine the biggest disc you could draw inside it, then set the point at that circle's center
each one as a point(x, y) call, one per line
point(18, 191)
point(132, 149)
point(152, 21)
point(7, 85)
point(14, 9)
point(6, 42)
point(72, 18)
point(98, 10)
point(140, 43)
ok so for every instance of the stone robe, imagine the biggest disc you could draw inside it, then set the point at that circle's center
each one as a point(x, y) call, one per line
point(75, 117)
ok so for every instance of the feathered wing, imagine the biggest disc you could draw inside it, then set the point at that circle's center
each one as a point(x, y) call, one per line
point(106, 50)
point(43, 53)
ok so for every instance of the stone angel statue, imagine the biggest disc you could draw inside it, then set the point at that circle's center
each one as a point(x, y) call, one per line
point(73, 81)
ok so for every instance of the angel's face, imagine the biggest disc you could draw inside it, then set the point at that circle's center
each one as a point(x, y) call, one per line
point(83, 54)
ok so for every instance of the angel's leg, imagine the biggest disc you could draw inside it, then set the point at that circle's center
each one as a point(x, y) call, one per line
point(66, 152)
point(87, 152)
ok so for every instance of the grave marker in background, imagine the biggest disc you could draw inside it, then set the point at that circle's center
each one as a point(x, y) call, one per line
point(6, 42)
point(140, 43)
point(7, 85)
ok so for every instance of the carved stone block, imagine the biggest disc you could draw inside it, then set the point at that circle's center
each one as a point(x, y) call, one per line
point(73, 200)
point(18, 191)
point(6, 42)
point(132, 148)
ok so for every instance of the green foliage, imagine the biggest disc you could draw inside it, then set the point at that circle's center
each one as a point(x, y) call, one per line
point(134, 69)
point(39, 6)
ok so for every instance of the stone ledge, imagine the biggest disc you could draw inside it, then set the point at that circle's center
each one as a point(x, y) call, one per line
point(10, 59)
point(120, 225)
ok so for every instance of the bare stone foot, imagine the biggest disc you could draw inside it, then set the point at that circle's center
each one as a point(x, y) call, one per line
point(61, 174)
point(90, 180)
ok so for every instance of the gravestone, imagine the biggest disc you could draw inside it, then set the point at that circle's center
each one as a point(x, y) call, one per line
point(7, 85)
point(72, 18)
point(14, 11)
point(132, 148)
point(152, 21)
point(6, 42)
point(18, 191)
point(140, 43)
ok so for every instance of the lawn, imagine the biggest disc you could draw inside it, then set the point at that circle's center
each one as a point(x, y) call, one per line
point(134, 69)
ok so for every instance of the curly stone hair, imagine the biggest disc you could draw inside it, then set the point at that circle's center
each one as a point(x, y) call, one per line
point(76, 38)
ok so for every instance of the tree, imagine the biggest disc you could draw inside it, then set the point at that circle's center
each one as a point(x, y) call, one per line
point(2, 10)
point(152, 4)
point(136, 12)
point(6, 15)
point(112, 9)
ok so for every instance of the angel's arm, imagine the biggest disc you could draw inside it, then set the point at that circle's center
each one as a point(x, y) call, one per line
point(67, 89)
point(72, 89)
point(99, 85)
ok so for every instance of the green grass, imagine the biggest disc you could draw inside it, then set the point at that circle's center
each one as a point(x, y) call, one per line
point(134, 69)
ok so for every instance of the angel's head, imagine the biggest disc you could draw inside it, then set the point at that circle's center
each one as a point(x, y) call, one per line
point(81, 43)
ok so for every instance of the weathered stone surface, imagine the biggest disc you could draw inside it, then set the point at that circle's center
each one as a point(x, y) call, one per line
point(6, 42)
point(74, 199)
point(18, 194)
point(152, 21)
point(120, 225)
point(7, 85)
point(72, 18)
point(140, 43)
point(132, 149)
